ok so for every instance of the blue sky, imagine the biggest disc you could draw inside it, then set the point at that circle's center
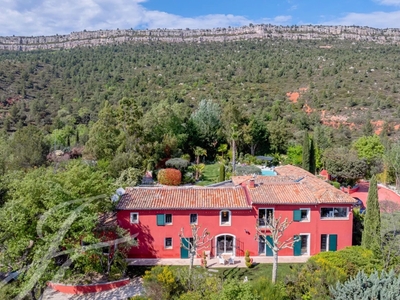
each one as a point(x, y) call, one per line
point(47, 17)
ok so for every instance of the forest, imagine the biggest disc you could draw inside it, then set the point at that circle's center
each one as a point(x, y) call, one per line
point(80, 123)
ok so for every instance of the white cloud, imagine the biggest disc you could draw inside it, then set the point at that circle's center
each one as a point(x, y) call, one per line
point(389, 2)
point(48, 17)
point(375, 19)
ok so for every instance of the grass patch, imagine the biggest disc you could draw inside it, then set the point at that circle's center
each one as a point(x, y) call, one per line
point(210, 175)
point(259, 270)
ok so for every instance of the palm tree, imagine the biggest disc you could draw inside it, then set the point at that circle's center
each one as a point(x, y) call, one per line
point(199, 152)
point(222, 148)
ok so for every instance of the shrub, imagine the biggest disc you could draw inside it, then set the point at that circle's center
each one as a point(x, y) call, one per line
point(327, 268)
point(160, 283)
point(169, 177)
point(129, 177)
point(266, 290)
point(362, 286)
point(248, 260)
point(247, 170)
point(177, 163)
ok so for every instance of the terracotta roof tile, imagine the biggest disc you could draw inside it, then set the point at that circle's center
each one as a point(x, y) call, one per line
point(295, 185)
point(282, 193)
point(184, 198)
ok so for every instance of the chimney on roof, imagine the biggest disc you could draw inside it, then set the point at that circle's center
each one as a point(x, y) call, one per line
point(252, 183)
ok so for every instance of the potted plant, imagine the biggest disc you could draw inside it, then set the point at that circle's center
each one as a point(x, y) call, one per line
point(248, 260)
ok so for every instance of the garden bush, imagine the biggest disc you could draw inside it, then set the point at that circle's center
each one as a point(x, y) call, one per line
point(177, 163)
point(313, 279)
point(362, 286)
point(247, 170)
point(169, 176)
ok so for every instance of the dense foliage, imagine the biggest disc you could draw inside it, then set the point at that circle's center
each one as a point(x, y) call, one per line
point(375, 286)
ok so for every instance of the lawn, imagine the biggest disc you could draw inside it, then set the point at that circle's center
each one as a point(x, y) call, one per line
point(259, 270)
point(210, 175)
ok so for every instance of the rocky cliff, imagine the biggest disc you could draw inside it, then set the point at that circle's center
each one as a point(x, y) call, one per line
point(102, 37)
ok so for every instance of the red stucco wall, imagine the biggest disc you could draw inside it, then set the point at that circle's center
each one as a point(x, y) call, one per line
point(151, 237)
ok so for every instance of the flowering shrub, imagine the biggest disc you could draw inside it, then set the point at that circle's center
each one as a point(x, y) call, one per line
point(169, 177)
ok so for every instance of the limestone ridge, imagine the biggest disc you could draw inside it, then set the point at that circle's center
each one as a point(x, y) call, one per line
point(104, 37)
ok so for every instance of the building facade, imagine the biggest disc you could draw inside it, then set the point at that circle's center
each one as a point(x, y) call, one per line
point(321, 215)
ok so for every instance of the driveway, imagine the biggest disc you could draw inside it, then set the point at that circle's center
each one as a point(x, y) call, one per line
point(134, 288)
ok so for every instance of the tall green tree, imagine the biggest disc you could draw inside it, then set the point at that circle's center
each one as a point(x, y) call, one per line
point(371, 237)
point(306, 152)
point(28, 148)
point(279, 135)
point(103, 135)
point(207, 122)
point(254, 133)
point(313, 159)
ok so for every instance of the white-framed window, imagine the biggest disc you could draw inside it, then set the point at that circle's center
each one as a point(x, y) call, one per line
point(225, 218)
point(134, 218)
point(305, 243)
point(334, 213)
point(305, 215)
point(168, 243)
point(328, 242)
point(193, 219)
point(168, 219)
point(264, 214)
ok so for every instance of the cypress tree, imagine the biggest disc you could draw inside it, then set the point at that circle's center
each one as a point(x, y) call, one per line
point(312, 157)
point(306, 152)
point(371, 236)
point(221, 173)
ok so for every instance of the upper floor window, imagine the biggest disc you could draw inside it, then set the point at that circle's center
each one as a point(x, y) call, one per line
point(193, 219)
point(334, 212)
point(134, 218)
point(225, 217)
point(168, 219)
point(301, 215)
point(264, 215)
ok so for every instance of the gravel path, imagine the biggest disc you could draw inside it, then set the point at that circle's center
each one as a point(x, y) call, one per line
point(134, 288)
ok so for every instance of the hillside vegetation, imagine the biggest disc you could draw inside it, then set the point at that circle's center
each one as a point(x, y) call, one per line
point(343, 83)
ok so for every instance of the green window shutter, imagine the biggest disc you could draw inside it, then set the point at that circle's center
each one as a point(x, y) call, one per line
point(332, 242)
point(297, 215)
point(268, 250)
point(297, 248)
point(161, 220)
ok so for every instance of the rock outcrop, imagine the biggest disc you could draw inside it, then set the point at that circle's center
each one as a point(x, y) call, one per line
point(103, 37)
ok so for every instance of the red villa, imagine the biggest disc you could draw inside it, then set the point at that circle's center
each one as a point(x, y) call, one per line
point(321, 214)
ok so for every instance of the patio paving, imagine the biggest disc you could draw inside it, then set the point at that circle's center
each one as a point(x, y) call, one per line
point(214, 262)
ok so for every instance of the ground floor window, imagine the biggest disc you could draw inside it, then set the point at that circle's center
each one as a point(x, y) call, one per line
point(302, 246)
point(168, 243)
point(328, 242)
point(225, 244)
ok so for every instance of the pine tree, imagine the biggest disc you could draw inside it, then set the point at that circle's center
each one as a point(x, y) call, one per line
point(371, 236)
point(306, 152)
point(312, 157)
point(368, 129)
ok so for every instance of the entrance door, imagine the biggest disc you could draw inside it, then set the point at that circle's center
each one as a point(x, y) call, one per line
point(185, 247)
point(225, 244)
